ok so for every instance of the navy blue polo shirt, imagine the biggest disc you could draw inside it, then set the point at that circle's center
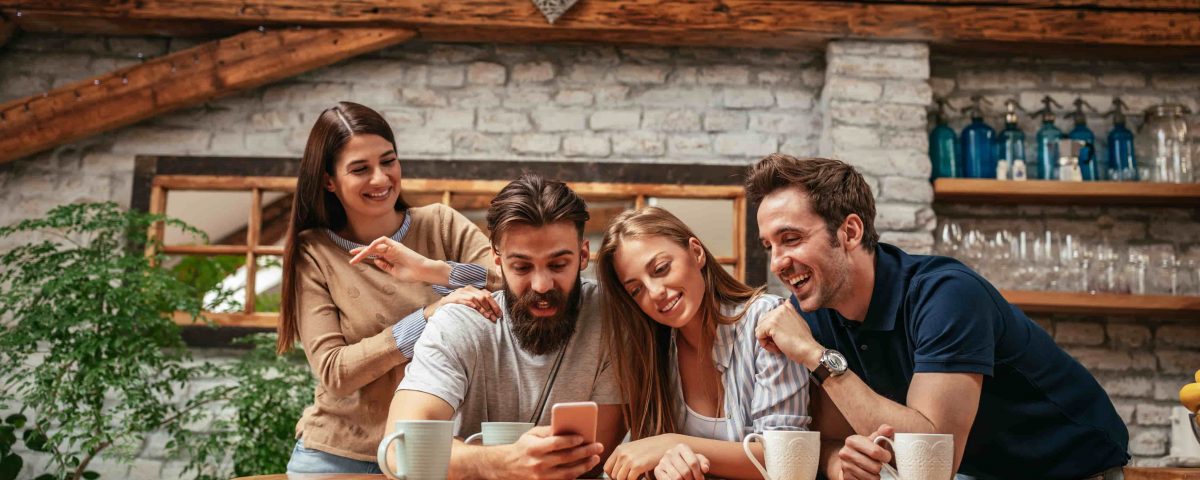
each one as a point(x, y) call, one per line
point(1041, 413)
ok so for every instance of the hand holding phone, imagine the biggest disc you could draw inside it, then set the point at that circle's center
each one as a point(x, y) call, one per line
point(575, 418)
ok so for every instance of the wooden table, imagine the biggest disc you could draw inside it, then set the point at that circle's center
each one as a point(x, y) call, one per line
point(1131, 473)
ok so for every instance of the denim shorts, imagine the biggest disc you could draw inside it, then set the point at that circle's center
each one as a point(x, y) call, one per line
point(307, 460)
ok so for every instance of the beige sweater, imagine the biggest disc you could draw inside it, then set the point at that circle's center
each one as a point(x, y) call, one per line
point(345, 322)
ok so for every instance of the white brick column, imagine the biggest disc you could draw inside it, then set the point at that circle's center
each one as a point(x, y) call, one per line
point(874, 104)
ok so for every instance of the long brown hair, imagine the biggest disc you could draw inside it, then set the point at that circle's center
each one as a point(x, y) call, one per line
point(315, 207)
point(639, 345)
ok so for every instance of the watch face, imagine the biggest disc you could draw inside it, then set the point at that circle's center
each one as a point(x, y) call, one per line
point(834, 361)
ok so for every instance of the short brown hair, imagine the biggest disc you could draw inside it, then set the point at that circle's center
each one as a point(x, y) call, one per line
point(834, 188)
point(535, 201)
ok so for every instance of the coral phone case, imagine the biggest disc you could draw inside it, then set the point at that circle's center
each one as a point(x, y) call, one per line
point(578, 418)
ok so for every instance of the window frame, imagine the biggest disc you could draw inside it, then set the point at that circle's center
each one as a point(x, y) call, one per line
point(156, 176)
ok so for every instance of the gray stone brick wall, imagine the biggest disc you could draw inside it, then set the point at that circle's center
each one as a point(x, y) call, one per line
point(873, 108)
point(1141, 362)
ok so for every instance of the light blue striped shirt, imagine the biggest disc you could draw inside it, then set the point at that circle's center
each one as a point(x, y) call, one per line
point(763, 390)
point(409, 329)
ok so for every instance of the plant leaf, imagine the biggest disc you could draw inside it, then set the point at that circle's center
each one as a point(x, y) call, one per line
point(10, 466)
point(16, 420)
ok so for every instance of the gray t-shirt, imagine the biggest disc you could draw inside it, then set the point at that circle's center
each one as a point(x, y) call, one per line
point(478, 367)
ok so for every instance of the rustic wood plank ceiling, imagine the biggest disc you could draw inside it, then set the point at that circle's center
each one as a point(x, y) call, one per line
point(725, 23)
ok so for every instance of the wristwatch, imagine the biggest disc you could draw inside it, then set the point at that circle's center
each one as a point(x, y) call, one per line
point(832, 364)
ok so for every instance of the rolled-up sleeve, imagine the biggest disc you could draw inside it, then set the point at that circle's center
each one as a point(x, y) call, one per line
point(780, 396)
point(408, 330)
point(461, 275)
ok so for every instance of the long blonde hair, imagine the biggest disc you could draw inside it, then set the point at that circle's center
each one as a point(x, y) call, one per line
point(639, 346)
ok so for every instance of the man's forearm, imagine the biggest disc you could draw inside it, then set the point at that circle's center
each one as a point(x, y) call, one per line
point(863, 409)
point(866, 410)
point(472, 461)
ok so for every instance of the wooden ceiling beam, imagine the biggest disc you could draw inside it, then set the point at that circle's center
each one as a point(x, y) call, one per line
point(177, 80)
point(725, 23)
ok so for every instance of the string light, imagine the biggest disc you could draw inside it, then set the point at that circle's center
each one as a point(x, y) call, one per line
point(262, 29)
point(124, 80)
point(96, 82)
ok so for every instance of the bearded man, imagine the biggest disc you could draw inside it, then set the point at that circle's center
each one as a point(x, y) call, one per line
point(545, 350)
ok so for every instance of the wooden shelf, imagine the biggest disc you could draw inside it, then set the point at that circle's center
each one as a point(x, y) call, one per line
point(1103, 303)
point(973, 190)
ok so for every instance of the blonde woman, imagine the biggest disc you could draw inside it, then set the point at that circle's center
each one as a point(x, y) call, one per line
point(693, 375)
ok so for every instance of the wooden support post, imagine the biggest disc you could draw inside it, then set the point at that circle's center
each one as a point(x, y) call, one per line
point(158, 205)
point(252, 230)
point(7, 29)
point(739, 237)
point(178, 80)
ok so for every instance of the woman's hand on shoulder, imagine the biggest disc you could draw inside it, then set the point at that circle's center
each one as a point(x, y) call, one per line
point(396, 260)
point(481, 300)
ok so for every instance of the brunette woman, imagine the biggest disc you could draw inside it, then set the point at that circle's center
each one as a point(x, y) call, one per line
point(358, 324)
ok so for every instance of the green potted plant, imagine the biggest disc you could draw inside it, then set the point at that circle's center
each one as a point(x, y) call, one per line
point(92, 361)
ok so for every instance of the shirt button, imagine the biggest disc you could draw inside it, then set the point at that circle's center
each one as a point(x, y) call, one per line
point(863, 347)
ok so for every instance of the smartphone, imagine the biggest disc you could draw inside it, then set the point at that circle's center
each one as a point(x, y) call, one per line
point(575, 418)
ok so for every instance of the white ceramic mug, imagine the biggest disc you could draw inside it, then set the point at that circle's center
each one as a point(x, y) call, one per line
point(499, 433)
point(790, 454)
point(921, 456)
point(423, 452)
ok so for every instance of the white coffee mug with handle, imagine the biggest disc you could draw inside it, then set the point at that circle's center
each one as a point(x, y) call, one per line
point(499, 433)
point(921, 456)
point(790, 454)
point(422, 450)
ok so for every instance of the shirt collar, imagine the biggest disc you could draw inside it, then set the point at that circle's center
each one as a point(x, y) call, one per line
point(348, 245)
point(888, 292)
point(726, 337)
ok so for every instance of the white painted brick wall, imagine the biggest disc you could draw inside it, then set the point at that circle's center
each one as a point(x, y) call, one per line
point(874, 118)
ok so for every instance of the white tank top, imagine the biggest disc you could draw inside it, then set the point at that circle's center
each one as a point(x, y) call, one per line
point(695, 424)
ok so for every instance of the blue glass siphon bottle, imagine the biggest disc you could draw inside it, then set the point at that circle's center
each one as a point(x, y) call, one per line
point(977, 148)
point(1047, 143)
point(1010, 146)
point(943, 147)
point(1121, 164)
point(1087, 155)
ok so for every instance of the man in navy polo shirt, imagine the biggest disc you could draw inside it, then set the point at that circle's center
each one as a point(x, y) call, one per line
point(920, 344)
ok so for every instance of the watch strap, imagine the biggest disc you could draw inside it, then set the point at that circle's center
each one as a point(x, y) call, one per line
point(820, 373)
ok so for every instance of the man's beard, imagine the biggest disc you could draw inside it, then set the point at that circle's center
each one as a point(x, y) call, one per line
point(542, 335)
